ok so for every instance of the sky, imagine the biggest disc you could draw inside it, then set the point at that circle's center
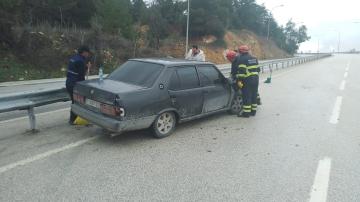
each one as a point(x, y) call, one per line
point(331, 24)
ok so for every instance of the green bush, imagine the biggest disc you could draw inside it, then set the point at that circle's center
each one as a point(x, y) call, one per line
point(12, 70)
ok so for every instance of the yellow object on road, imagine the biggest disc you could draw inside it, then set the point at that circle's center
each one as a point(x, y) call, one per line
point(240, 84)
point(80, 121)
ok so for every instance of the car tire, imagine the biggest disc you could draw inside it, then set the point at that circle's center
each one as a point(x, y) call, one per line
point(164, 124)
point(236, 104)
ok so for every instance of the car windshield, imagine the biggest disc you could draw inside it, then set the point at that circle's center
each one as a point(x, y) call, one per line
point(137, 73)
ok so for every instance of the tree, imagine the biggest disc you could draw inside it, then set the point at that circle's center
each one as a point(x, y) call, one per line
point(114, 16)
point(158, 27)
point(302, 36)
point(164, 17)
point(138, 10)
point(207, 18)
point(294, 36)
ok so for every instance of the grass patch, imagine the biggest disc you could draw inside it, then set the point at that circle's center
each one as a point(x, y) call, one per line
point(13, 70)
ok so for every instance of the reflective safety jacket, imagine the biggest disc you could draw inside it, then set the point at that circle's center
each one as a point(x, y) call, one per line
point(247, 66)
point(76, 70)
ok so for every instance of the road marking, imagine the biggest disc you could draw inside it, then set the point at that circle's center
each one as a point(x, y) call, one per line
point(321, 183)
point(347, 66)
point(334, 119)
point(45, 155)
point(346, 75)
point(40, 114)
point(342, 85)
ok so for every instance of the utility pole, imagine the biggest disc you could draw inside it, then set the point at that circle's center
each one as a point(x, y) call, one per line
point(339, 43)
point(268, 27)
point(187, 28)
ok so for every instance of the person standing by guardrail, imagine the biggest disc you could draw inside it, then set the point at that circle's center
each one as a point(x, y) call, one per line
point(195, 54)
point(76, 72)
point(248, 73)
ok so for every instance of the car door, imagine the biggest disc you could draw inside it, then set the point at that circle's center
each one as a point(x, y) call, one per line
point(217, 91)
point(185, 92)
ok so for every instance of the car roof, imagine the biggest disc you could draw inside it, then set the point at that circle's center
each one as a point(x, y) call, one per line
point(170, 61)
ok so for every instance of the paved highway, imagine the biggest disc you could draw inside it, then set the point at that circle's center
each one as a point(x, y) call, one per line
point(303, 145)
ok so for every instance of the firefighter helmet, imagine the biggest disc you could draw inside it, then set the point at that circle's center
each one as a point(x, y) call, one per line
point(244, 49)
point(230, 55)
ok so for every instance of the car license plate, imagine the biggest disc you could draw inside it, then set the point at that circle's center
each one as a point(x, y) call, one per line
point(93, 103)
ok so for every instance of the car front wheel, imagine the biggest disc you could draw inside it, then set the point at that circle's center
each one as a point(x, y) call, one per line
point(236, 104)
point(164, 124)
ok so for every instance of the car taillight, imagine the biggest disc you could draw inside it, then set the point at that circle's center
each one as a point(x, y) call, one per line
point(79, 98)
point(112, 110)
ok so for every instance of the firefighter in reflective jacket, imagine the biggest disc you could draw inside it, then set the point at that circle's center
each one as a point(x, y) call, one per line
point(75, 73)
point(248, 73)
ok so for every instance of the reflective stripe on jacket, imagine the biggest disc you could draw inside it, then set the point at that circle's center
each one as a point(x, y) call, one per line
point(247, 66)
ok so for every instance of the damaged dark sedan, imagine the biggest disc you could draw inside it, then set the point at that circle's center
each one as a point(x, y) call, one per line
point(155, 93)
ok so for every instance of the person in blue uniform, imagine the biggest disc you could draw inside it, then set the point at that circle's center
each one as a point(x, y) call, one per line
point(76, 72)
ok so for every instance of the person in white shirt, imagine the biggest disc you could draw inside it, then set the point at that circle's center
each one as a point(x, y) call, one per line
point(195, 54)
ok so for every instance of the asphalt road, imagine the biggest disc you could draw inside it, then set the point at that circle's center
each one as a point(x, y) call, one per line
point(303, 145)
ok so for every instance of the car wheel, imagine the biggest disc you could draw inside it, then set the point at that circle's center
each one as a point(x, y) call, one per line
point(236, 104)
point(164, 124)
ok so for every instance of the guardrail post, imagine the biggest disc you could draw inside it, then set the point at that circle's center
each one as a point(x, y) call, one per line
point(32, 119)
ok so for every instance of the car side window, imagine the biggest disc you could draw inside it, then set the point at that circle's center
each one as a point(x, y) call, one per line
point(184, 78)
point(174, 81)
point(209, 75)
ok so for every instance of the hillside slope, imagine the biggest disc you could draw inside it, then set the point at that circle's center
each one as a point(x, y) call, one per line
point(44, 54)
point(214, 48)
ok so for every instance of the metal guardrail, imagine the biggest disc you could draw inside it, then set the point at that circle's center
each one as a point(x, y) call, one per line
point(271, 65)
point(28, 101)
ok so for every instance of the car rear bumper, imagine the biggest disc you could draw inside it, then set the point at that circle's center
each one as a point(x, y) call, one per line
point(113, 124)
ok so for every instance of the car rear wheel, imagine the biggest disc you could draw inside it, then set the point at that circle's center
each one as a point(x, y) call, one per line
point(164, 124)
point(236, 104)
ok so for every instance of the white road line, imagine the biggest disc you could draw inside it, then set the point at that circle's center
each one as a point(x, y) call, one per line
point(347, 66)
point(346, 75)
point(321, 183)
point(45, 155)
point(342, 85)
point(40, 114)
point(334, 119)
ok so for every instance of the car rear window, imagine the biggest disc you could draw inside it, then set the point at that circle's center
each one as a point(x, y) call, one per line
point(137, 73)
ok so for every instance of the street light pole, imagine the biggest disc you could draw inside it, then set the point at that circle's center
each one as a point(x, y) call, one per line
point(268, 27)
point(339, 43)
point(187, 28)
point(318, 46)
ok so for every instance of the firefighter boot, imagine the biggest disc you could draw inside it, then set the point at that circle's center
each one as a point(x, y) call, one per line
point(244, 114)
point(246, 111)
point(253, 109)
